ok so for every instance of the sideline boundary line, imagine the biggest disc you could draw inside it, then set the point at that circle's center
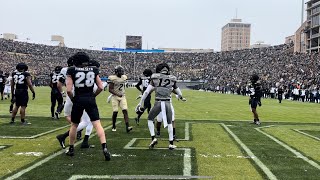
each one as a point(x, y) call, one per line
point(23, 171)
point(76, 177)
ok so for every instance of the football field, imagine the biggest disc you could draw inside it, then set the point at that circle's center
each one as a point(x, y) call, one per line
point(216, 141)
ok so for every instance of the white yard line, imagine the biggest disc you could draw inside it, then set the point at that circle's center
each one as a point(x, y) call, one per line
point(187, 151)
point(20, 173)
point(298, 154)
point(35, 136)
point(306, 134)
point(76, 177)
point(263, 167)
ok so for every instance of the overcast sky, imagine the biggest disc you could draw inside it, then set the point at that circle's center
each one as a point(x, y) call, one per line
point(161, 23)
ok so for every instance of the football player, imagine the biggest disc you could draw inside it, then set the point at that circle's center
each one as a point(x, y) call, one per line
point(117, 84)
point(85, 120)
point(255, 97)
point(2, 81)
point(20, 82)
point(82, 78)
point(163, 83)
point(56, 95)
point(7, 86)
point(144, 82)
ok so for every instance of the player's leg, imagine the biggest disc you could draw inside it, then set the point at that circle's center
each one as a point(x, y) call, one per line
point(254, 105)
point(2, 89)
point(159, 122)
point(23, 103)
point(115, 108)
point(93, 112)
point(173, 123)
point(76, 113)
point(14, 113)
point(124, 107)
point(67, 113)
point(153, 114)
point(53, 104)
point(85, 123)
point(170, 126)
point(60, 105)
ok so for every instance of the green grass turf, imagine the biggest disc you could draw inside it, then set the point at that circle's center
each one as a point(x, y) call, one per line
point(214, 152)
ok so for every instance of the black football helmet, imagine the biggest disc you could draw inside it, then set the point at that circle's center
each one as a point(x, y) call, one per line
point(147, 72)
point(80, 59)
point(119, 71)
point(94, 63)
point(254, 78)
point(22, 67)
point(57, 69)
point(163, 68)
point(70, 61)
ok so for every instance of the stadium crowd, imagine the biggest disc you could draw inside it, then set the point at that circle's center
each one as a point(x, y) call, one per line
point(222, 71)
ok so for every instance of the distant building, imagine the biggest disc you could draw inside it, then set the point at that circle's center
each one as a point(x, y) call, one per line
point(59, 39)
point(259, 44)
point(299, 39)
point(289, 40)
point(9, 36)
point(235, 35)
point(313, 26)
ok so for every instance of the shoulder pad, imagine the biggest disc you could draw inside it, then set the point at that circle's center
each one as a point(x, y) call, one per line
point(172, 78)
point(112, 78)
point(124, 77)
point(155, 75)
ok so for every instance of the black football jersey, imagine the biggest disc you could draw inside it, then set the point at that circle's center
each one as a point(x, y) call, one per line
point(20, 80)
point(83, 79)
point(54, 77)
point(2, 79)
point(257, 89)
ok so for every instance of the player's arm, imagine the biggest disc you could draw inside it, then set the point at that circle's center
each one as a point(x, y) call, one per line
point(51, 84)
point(69, 87)
point(139, 84)
point(12, 89)
point(112, 91)
point(29, 83)
point(99, 85)
point(149, 89)
point(178, 92)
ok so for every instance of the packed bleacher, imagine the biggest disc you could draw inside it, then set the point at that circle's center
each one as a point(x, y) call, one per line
point(222, 71)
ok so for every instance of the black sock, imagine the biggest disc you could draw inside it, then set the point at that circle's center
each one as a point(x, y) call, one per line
point(66, 134)
point(22, 120)
point(12, 119)
point(104, 145)
point(152, 138)
point(171, 142)
point(127, 125)
point(174, 131)
point(86, 138)
point(71, 147)
point(114, 119)
point(158, 126)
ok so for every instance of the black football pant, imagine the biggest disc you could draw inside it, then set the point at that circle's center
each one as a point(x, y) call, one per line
point(56, 97)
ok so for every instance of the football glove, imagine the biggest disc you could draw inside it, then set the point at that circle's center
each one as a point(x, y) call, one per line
point(139, 109)
point(250, 101)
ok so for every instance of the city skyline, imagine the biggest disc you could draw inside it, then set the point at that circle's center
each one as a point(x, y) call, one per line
point(167, 24)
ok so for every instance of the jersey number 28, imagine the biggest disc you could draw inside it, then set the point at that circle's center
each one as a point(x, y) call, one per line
point(84, 79)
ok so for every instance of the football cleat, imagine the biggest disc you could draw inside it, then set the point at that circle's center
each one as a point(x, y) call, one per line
point(129, 129)
point(172, 147)
point(61, 141)
point(258, 123)
point(56, 115)
point(158, 134)
point(11, 122)
point(25, 123)
point(70, 152)
point(153, 143)
point(106, 154)
point(85, 145)
point(113, 129)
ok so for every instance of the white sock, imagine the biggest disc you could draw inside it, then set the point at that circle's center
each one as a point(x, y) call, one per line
point(151, 127)
point(170, 132)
